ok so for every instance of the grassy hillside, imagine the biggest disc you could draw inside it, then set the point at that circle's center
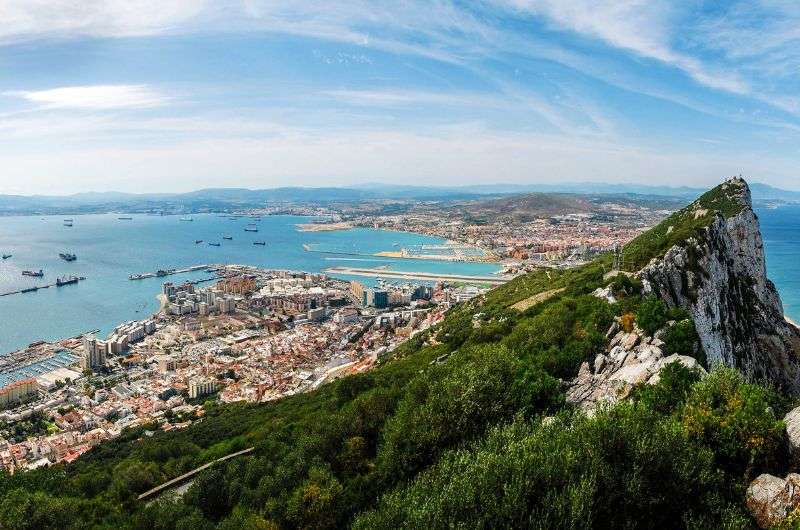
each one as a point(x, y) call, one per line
point(451, 432)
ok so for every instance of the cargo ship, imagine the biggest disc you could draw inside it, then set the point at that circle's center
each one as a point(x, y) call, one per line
point(29, 289)
point(34, 273)
point(66, 280)
point(67, 256)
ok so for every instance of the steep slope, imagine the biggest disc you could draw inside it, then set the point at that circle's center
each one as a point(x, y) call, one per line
point(719, 275)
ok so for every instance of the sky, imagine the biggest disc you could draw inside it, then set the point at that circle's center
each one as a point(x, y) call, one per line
point(148, 95)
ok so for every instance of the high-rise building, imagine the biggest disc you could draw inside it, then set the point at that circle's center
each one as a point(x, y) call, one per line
point(201, 387)
point(94, 353)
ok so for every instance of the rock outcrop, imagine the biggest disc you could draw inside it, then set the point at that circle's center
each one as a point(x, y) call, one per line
point(632, 359)
point(771, 499)
point(792, 421)
point(719, 276)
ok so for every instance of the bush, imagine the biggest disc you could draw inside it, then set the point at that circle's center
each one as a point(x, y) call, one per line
point(735, 420)
point(626, 468)
point(652, 315)
point(682, 339)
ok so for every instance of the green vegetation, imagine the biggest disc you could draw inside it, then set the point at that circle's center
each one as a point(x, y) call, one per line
point(464, 426)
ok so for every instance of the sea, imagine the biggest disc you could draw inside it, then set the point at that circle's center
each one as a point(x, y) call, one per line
point(109, 250)
point(780, 229)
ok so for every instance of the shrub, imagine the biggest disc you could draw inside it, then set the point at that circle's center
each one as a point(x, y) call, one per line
point(736, 421)
point(652, 315)
point(626, 321)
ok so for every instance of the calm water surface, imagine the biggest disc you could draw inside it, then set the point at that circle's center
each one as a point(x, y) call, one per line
point(109, 250)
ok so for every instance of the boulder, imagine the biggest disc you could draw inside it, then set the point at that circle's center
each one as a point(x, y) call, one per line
point(771, 499)
point(629, 340)
point(792, 421)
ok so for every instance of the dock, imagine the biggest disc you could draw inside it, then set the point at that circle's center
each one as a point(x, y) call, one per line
point(168, 272)
point(409, 275)
point(36, 288)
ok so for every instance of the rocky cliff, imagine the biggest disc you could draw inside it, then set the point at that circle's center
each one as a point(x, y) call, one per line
point(719, 276)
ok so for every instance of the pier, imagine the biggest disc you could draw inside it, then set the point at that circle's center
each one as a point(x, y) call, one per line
point(35, 288)
point(168, 272)
point(407, 275)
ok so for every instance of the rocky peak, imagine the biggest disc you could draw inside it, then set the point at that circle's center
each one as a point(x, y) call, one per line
point(719, 275)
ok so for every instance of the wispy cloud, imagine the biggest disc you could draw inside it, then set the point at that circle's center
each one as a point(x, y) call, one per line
point(97, 97)
point(27, 19)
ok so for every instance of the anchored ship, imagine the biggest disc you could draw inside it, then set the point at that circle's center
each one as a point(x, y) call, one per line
point(67, 256)
point(186, 219)
point(229, 238)
point(198, 241)
point(251, 228)
point(214, 244)
point(66, 280)
point(34, 273)
point(6, 256)
point(261, 243)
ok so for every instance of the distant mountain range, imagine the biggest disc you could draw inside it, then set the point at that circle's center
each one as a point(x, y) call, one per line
point(232, 198)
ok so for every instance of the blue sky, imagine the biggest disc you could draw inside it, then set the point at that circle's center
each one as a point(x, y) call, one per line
point(172, 96)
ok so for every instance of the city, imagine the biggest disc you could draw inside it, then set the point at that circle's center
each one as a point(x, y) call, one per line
point(254, 335)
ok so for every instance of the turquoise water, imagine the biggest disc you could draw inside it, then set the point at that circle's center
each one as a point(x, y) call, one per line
point(780, 228)
point(109, 250)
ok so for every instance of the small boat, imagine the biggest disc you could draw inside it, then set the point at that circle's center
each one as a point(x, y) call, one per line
point(261, 243)
point(214, 244)
point(34, 273)
point(198, 241)
point(6, 256)
point(66, 256)
point(229, 238)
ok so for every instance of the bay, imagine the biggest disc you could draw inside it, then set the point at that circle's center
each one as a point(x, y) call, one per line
point(109, 250)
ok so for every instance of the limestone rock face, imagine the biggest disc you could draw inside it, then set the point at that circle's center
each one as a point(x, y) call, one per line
point(720, 278)
point(631, 360)
point(771, 499)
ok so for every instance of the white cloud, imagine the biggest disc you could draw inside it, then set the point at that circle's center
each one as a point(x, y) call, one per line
point(26, 19)
point(644, 27)
point(94, 97)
